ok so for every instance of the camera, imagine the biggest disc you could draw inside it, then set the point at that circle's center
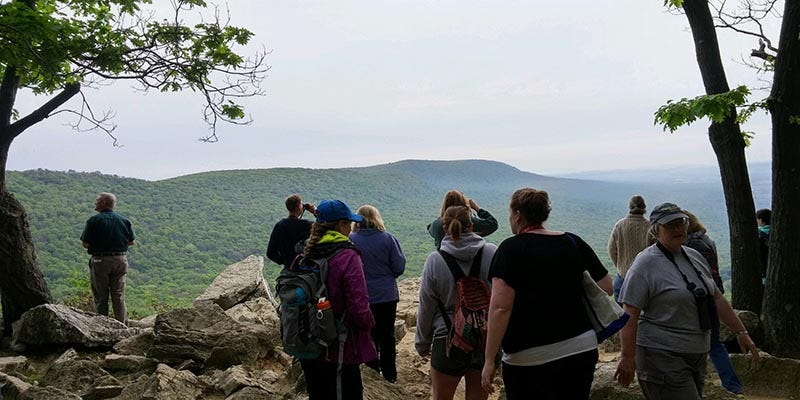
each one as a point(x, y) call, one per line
point(706, 308)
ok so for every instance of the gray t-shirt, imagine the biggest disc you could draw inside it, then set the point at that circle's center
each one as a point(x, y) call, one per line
point(668, 318)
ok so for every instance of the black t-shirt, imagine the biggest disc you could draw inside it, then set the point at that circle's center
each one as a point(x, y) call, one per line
point(285, 235)
point(545, 272)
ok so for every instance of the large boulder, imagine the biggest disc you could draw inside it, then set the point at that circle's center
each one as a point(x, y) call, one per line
point(56, 324)
point(236, 284)
point(207, 335)
point(773, 376)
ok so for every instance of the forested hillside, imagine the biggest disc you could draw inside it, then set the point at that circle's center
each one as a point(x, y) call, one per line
point(189, 228)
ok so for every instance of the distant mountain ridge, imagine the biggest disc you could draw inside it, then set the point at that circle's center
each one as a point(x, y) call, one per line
point(190, 227)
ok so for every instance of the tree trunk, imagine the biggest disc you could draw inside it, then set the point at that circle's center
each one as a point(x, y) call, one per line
point(22, 286)
point(782, 301)
point(728, 144)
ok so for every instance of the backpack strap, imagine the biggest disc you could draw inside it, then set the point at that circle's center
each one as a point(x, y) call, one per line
point(458, 273)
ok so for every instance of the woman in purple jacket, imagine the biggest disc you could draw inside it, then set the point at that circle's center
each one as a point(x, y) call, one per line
point(383, 263)
point(347, 292)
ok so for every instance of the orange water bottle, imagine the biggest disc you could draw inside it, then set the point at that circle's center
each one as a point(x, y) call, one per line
point(324, 326)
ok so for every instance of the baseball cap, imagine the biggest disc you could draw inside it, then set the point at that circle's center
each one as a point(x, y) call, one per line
point(666, 212)
point(335, 210)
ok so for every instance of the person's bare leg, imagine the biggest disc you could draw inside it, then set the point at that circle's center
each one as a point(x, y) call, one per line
point(473, 385)
point(444, 386)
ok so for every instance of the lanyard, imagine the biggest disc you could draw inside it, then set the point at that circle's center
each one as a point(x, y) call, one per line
point(689, 285)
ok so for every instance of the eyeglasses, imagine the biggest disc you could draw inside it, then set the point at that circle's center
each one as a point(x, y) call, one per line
point(677, 223)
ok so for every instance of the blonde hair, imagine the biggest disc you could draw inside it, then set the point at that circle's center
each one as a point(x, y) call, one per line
point(453, 198)
point(694, 223)
point(456, 220)
point(372, 218)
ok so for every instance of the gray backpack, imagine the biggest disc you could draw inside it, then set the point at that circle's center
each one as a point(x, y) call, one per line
point(306, 331)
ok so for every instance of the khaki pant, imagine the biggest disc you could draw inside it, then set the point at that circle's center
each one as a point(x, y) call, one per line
point(107, 274)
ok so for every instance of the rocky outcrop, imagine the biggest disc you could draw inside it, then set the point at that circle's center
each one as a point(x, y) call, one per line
point(13, 364)
point(237, 284)
point(119, 362)
point(210, 337)
point(47, 393)
point(165, 384)
point(409, 301)
point(751, 322)
point(773, 376)
point(55, 324)
point(12, 387)
point(77, 376)
point(137, 345)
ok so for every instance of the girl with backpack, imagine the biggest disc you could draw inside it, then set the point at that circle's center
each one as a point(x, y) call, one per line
point(438, 305)
point(347, 292)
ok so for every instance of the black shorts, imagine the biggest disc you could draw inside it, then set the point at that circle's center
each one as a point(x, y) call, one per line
point(459, 362)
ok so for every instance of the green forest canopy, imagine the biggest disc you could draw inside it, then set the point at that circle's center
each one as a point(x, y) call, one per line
point(191, 227)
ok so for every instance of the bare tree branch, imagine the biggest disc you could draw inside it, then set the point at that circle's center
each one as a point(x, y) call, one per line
point(45, 110)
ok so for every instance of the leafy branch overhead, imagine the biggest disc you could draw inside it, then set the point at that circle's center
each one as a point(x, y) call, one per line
point(58, 45)
point(716, 107)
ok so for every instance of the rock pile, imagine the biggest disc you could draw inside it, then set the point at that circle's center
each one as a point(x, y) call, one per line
point(227, 347)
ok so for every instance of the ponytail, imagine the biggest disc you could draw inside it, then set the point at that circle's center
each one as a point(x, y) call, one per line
point(456, 220)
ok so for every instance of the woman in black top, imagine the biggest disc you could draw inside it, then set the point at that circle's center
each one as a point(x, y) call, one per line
point(536, 310)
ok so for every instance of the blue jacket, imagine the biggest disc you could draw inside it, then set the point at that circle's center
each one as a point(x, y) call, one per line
point(383, 262)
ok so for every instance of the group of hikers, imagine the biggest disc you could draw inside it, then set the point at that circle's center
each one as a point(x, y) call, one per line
point(519, 304)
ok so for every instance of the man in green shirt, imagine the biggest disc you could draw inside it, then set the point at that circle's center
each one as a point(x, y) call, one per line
point(106, 237)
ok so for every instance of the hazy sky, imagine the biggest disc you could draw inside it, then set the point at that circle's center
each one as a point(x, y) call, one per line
point(547, 87)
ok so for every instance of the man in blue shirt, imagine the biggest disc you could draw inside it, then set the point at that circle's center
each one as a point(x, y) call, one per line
point(106, 237)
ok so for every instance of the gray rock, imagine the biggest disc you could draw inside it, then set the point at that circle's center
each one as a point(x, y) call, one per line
point(209, 336)
point(773, 376)
point(605, 387)
point(68, 355)
point(257, 311)
point(80, 377)
point(165, 384)
point(399, 330)
point(612, 344)
point(55, 324)
point(117, 362)
point(377, 388)
point(11, 386)
point(751, 321)
point(238, 377)
point(252, 393)
point(144, 323)
point(104, 392)
point(237, 283)
point(12, 364)
point(47, 393)
point(137, 345)
point(409, 300)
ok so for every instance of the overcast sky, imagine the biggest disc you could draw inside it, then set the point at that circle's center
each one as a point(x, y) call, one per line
point(548, 87)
